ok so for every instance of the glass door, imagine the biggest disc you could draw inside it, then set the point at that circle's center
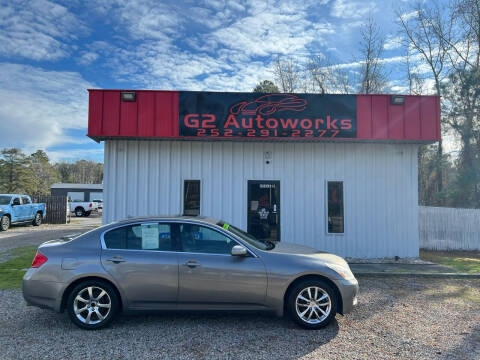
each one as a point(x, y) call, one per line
point(263, 206)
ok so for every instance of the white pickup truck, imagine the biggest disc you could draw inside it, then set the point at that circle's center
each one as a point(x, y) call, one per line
point(82, 208)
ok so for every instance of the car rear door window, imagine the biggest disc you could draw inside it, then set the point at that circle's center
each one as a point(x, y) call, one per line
point(201, 239)
point(25, 200)
point(147, 236)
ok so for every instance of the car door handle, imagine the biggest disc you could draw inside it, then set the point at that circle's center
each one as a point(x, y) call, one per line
point(191, 264)
point(116, 259)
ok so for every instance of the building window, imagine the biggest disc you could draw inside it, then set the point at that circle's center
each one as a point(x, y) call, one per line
point(76, 196)
point(335, 207)
point(191, 197)
point(96, 195)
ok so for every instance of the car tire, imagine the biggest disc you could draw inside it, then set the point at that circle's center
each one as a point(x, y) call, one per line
point(37, 220)
point(79, 212)
point(88, 296)
point(87, 213)
point(4, 223)
point(312, 304)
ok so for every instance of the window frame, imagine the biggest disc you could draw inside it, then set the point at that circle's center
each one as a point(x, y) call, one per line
point(76, 192)
point(180, 243)
point(183, 195)
point(326, 207)
point(176, 234)
point(174, 242)
point(28, 199)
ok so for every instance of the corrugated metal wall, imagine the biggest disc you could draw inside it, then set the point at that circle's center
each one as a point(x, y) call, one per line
point(380, 182)
point(449, 229)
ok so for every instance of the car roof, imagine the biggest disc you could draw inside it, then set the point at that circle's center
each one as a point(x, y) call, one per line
point(201, 219)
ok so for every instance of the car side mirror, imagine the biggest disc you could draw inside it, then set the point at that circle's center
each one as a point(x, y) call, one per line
point(16, 202)
point(239, 250)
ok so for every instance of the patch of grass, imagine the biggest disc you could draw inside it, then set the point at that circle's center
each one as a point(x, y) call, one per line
point(455, 293)
point(463, 261)
point(17, 263)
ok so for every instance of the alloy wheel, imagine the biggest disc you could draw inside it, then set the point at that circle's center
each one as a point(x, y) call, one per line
point(313, 305)
point(92, 305)
point(5, 223)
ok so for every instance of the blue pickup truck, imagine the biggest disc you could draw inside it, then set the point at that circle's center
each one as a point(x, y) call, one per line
point(15, 208)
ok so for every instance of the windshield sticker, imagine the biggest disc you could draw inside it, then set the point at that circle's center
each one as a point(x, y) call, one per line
point(226, 226)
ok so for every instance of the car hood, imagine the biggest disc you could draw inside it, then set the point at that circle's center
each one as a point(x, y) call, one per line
point(296, 249)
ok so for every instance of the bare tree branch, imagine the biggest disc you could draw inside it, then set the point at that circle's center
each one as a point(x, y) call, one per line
point(373, 79)
point(288, 74)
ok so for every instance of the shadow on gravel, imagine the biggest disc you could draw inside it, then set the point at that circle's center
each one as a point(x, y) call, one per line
point(470, 347)
point(187, 335)
point(258, 334)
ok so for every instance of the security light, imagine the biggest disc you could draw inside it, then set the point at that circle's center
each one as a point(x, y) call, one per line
point(397, 99)
point(128, 96)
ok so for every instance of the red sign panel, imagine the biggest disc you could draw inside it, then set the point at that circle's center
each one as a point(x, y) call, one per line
point(203, 115)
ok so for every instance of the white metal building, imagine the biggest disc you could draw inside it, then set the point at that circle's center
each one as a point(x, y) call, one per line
point(353, 197)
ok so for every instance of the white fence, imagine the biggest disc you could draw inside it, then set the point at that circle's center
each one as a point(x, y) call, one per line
point(449, 228)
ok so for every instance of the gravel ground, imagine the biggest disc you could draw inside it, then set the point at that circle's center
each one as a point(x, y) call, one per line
point(396, 318)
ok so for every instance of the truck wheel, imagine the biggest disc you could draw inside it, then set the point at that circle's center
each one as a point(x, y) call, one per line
point(79, 212)
point(4, 223)
point(87, 213)
point(37, 220)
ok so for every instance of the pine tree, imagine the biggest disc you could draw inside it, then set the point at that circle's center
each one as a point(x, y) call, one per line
point(45, 173)
point(266, 86)
point(16, 172)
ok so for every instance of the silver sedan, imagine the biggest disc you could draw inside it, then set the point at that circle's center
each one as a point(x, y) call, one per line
point(186, 263)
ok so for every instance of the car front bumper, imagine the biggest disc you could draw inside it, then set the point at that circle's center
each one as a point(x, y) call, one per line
point(349, 291)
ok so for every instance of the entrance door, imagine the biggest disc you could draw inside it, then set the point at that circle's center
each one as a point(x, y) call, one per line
point(263, 208)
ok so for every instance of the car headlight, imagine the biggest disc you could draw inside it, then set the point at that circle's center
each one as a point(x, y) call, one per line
point(343, 271)
point(1, 210)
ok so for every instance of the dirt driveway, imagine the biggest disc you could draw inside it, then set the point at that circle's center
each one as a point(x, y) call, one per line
point(28, 235)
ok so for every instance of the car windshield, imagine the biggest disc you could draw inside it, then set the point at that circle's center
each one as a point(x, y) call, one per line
point(249, 238)
point(5, 200)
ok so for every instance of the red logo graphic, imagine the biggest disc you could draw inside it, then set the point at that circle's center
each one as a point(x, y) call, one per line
point(269, 104)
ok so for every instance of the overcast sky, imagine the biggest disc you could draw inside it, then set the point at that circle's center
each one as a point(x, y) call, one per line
point(51, 52)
